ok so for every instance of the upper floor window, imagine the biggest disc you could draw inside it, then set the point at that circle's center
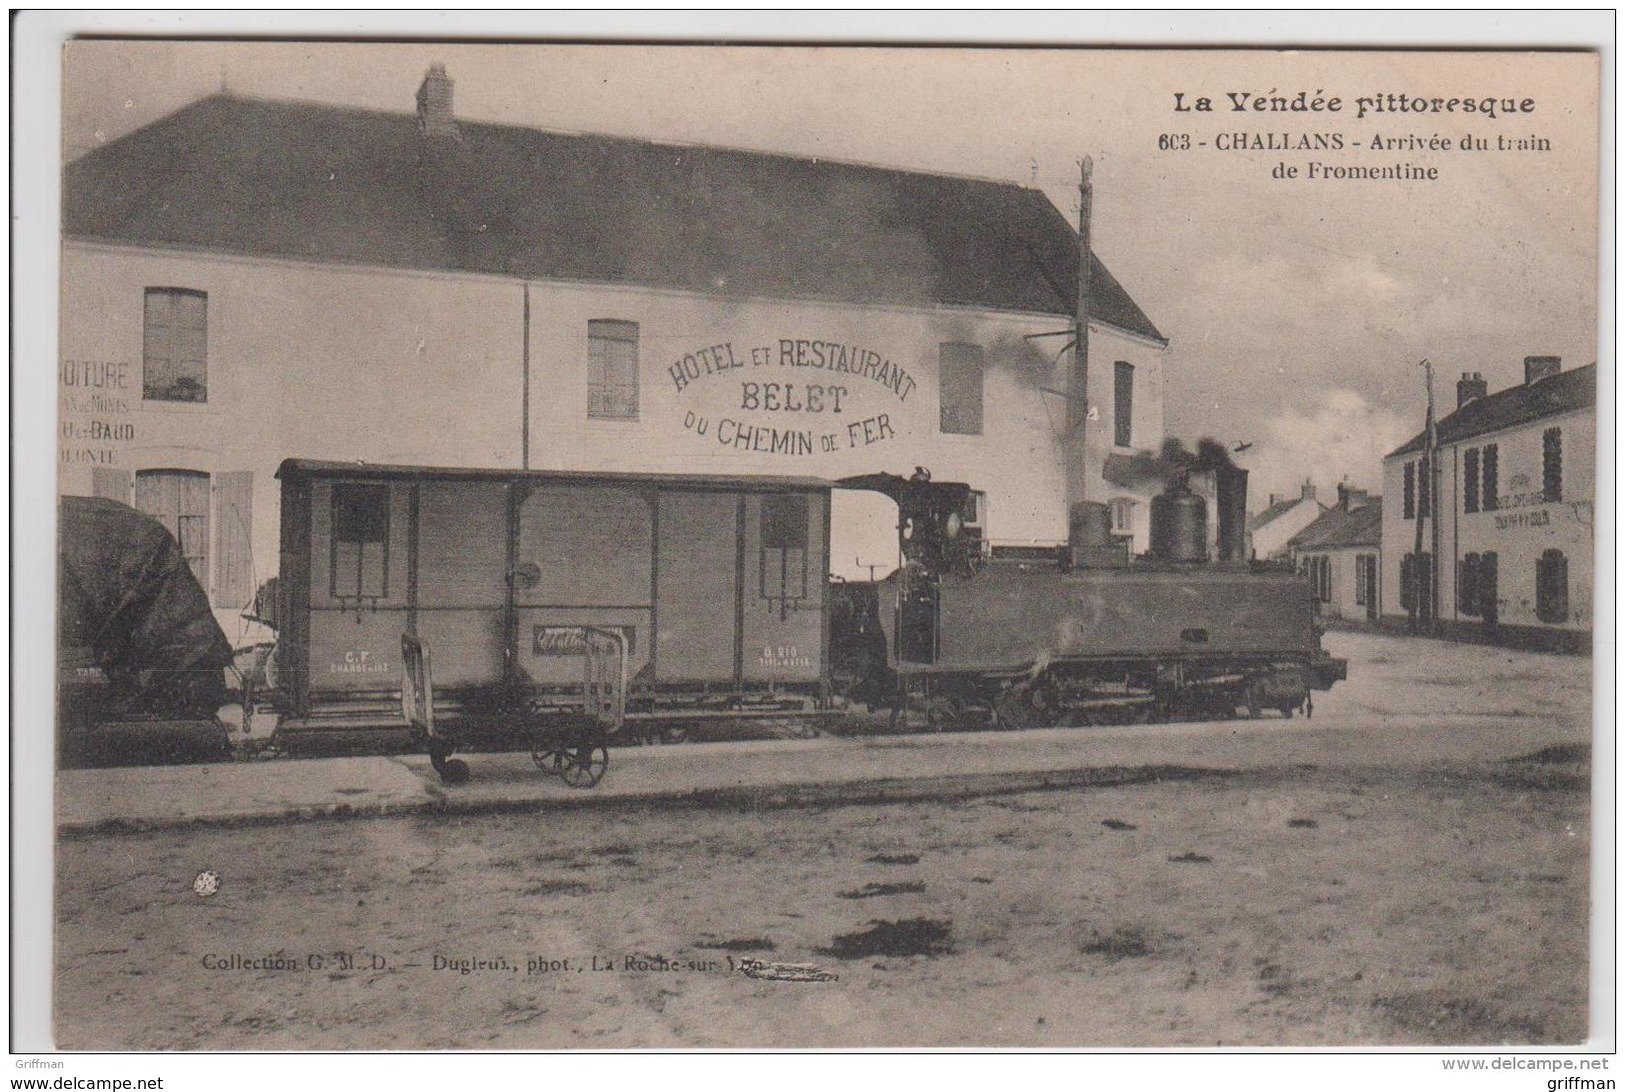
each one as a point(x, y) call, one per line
point(1490, 498)
point(1551, 451)
point(1424, 488)
point(1469, 480)
point(612, 369)
point(175, 346)
point(1123, 404)
point(179, 499)
point(962, 367)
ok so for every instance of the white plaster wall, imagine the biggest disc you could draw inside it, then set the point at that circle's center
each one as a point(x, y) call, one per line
point(1519, 531)
point(387, 366)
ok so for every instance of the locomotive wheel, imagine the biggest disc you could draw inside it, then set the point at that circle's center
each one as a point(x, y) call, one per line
point(1013, 711)
point(584, 765)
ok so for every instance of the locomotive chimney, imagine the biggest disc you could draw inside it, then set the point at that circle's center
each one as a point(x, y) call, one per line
point(1232, 504)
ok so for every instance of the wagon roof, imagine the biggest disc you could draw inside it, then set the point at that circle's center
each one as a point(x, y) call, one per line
point(318, 468)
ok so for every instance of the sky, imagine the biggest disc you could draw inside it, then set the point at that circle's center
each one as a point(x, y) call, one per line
point(1297, 309)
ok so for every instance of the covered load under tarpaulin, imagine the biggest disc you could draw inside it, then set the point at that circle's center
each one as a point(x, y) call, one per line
point(137, 640)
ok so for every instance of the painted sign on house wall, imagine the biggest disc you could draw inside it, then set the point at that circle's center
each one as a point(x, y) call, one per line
point(96, 401)
point(793, 396)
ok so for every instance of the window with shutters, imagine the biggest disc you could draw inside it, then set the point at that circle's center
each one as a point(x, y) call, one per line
point(1552, 587)
point(1123, 404)
point(1489, 592)
point(1551, 450)
point(1490, 495)
point(612, 369)
point(1415, 584)
point(1469, 480)
point(175, 346)
point(1410, 490)
point(1424, 489)
point(961, 371)
point(360, 562)
point(1467, 595)
point(179, 499)
point(1365, 579)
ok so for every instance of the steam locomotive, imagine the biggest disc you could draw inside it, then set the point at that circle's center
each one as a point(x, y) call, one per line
point(1093, 635)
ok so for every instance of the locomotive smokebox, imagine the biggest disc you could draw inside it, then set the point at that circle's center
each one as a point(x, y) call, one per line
point(1178, 524)
point(1232, 504)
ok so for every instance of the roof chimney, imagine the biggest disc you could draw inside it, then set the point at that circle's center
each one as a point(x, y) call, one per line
point(1350, 498)
point(1308, 490)
point(1536, 368)
point(435, 117)
point(1471, 385)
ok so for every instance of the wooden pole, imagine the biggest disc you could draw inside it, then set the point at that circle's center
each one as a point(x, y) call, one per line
point(1077, 406)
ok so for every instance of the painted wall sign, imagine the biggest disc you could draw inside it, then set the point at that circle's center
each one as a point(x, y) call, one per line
point(95, 401)
point(1520, 520)
point(796, 396)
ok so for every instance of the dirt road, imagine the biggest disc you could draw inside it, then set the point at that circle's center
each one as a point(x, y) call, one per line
point(1282, 907)
point(1413, 903)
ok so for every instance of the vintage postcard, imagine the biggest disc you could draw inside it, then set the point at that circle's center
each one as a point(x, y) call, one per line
point(775, 546)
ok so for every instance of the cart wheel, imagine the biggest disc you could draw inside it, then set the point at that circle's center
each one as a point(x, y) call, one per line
point(584, 766)
point(551, 760)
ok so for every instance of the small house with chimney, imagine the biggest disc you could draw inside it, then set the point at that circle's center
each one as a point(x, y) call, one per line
point(1512, 522)
point(247, 280)
point(1341, 553)
point(1273, 527)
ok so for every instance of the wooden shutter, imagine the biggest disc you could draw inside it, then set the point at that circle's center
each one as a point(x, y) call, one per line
point(234, 538)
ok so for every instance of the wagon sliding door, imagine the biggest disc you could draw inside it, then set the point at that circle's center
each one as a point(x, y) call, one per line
point(460, 587)
point(697, 587)
point(583, 558)
point(740, 587)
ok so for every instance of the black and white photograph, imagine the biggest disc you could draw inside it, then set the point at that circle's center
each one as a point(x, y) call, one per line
point(660, 546)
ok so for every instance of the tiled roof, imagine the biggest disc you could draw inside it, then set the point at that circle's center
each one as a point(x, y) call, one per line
point(1561, 393)
point(339, 184)
point(1276, 510)
point(1341, 527)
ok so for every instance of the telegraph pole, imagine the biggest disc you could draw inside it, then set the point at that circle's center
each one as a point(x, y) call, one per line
point(1077, 406)
point(1427, 486)
point(1434, 478)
